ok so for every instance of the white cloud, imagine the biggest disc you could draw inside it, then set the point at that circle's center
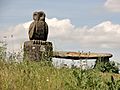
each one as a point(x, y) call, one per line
point(16, 35)
point(103, 35)
point(113, 5)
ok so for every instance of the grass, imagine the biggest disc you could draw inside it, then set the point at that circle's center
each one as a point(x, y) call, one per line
point(40, 76)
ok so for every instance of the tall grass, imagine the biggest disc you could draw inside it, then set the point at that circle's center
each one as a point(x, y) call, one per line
point(29, 75)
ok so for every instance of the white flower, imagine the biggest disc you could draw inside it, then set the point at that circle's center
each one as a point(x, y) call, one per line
point(47, 79)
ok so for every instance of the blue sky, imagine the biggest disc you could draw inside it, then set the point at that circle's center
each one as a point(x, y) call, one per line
point(80, 12)
point(74, 24)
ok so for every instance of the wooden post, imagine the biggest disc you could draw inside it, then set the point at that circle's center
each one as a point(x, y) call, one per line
point(102, 59)
point(37, 50)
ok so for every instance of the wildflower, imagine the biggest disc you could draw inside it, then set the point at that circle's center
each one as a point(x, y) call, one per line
point(47, 79)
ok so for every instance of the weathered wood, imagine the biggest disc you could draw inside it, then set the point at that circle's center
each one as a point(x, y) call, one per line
point(80, 55)
point(37, 50)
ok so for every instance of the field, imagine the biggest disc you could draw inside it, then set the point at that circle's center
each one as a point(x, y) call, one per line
point(43, 76)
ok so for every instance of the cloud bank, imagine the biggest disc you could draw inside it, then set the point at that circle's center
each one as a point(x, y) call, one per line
point(113, 5)
point(63, 32)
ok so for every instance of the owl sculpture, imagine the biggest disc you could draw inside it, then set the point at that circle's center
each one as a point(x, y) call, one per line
point(38, 29)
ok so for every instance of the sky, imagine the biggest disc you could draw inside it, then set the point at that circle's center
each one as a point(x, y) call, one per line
point(74, 25)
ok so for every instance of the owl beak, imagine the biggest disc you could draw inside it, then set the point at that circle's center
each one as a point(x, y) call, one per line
point(42, 18)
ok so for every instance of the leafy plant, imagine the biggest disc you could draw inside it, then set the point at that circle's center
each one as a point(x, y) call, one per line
point(107, 67)
point(112, 84)
point(3, 47)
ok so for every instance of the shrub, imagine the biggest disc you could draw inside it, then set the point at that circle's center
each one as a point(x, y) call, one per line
point(107, 67)
point(3, 47)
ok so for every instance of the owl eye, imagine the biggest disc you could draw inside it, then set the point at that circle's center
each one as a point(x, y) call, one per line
point(34, 16)
point(41, 14)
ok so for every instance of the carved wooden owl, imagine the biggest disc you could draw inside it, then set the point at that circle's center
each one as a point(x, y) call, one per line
point(38, 29)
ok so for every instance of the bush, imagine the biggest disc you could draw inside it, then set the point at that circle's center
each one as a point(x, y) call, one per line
point(3, 47)
point(107, 67)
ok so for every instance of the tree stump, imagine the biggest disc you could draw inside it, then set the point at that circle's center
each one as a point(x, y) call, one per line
point(37, 50)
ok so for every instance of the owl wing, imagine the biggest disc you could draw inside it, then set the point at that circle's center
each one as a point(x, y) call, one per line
point(31, 30)
point(46, 31)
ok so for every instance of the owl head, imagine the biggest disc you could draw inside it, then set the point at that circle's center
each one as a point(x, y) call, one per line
point(39, 16)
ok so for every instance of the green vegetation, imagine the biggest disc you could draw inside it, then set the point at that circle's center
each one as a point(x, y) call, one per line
point(41, 76)
point(3, 50)
point(31, 75)
point(107, 67)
